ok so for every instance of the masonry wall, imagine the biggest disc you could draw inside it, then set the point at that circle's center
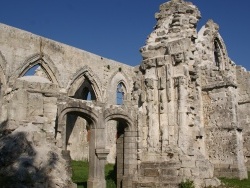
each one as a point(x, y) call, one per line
point(224, 139)
point(29, 152)
point(243, 80)
point(29, 104)
point(69, 68)
point(185, 111)
point(19, 47)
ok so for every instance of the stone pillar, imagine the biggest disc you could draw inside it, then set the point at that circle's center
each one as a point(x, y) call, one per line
point(62, 143)
point(100, 169)
point(97, 159)
point(163, 112)
point(152, 112)
point(182, 114)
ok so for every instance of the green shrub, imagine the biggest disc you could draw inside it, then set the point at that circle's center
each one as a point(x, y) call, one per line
point(187, 184)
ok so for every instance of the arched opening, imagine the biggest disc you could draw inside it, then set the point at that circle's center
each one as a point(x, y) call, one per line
point(118, 88)
point(115, 142)
point(85, 91)
point(37, 65)
point(78, 134)
point(36, 73)
point(120, 152)
point(122, 146)
point(218, 54)
point(78, 140)
point(85, 85)
point(120, 93)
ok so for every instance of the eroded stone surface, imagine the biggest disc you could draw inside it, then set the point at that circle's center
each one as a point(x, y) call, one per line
point(184, 113)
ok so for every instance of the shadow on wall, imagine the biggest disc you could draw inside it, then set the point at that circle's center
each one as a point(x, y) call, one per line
point(17, 161)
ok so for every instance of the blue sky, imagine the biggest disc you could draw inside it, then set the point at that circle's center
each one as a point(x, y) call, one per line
point(116, 29)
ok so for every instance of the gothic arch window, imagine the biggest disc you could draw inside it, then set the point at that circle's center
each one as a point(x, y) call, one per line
point(120, 92)
point(36, 73)
point(39, 68)
point(84, 85)
point(218, 54)
point(83, 89)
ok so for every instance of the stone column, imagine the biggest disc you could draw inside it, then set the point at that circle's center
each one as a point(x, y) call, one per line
point(100, 169)
point(62, 134)
point(163, 113)
point(182, 114)
point(97, 159)
point(152, 112)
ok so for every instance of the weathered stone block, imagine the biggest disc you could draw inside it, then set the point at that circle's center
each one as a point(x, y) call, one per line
point(35, 105)
point(151, 172)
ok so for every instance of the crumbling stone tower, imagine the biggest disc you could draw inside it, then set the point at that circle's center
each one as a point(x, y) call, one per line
point(171, 128)
point(184, 113)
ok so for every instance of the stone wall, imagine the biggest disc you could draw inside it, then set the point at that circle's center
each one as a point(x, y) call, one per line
point(28, 151)
point(243, 78)
point(65, 62)
point(184, 112)
point(62, 71)
point(66, 67)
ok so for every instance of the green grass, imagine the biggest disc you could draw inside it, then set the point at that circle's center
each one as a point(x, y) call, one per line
point(80, 174)
point(235, 183)
point(80, 170)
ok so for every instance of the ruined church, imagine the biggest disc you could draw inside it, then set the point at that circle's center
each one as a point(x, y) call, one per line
point(182, 114)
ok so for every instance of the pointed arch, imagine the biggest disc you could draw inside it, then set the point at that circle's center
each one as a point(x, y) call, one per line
point(220, 52)
point(120, 93)
point(86, 82)
point(45, 63)
point(212, 46)
point(119, 77)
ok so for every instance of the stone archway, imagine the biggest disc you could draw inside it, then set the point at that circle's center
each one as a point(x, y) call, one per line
point(97, 151)
point(126, 145)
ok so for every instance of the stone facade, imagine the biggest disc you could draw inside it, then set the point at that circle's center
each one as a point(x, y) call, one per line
point(182, 114)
